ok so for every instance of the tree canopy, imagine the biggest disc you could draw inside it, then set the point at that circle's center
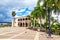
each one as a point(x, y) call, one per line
point(13, 13)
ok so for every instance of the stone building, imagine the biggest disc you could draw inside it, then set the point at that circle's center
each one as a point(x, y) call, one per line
point(21, 22)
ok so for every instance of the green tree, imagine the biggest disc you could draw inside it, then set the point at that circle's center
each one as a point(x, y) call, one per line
point(41, 12)
point(38, 13)
point(33, 16)
point(13, 13)
point(50, 5)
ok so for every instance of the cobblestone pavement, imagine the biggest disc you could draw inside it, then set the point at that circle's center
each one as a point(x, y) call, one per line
point(21, 33)
point(44, 36)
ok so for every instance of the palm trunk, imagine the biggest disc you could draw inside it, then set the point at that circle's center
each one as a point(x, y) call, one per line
point(40, 24)
point(34, 23)
point(13, 22)
point(49, 28)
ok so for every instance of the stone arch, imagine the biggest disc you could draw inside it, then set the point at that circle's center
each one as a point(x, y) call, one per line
point(26, 24)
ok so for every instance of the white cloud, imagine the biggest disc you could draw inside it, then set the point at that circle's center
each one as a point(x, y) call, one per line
point(20, 3)
point(20, 10)
point(16, 16)
point(28, 12)
point(9, 5)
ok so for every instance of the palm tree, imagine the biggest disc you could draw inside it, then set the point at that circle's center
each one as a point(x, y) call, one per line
point(49, 6)
point(13, 14)
point(56, 7)
point(33, 15)
point(38, 12)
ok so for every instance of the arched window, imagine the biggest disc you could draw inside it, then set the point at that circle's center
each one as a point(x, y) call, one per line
point(23, 18)
point(26, 24)
point(19, 19)
point(26, 18)
point(20, 24)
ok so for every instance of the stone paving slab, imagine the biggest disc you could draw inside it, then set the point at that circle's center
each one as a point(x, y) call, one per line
point(10, 33)
point(44, 36)
point(8, 29)
point(15, 39)
point(27, 35)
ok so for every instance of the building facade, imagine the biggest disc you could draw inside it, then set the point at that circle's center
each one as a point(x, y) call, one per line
point(21, 22)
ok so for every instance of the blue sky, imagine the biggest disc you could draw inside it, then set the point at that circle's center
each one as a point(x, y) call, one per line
point(22, 7)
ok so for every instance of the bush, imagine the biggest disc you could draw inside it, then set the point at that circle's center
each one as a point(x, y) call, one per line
point(55, 28)
point(7, 25)
point(30, 27)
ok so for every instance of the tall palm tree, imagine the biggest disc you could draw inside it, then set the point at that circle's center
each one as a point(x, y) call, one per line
point(56, 7)
point(13, 14)
point(38, 12)
point(41, 13)
point(34, 17)
point(49, 6)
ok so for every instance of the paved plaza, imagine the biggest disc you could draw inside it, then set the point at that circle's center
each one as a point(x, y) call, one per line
point(22, 33)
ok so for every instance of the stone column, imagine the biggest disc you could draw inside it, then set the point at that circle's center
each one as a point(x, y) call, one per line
point(28, 25)
point(25, 24)
point(16, 22)
point(22, 24)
